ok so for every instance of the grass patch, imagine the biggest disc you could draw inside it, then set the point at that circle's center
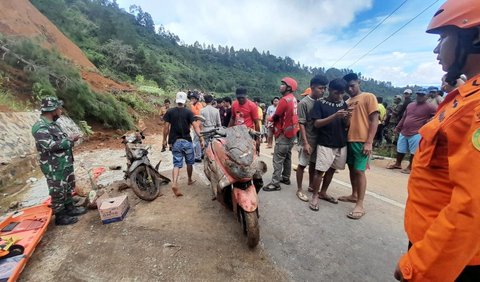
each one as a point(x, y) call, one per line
point(8, 100)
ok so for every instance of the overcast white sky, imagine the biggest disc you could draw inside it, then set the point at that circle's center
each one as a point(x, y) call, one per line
point(314, 32)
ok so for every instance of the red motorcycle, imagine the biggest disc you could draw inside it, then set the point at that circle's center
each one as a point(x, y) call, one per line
point(235, 174)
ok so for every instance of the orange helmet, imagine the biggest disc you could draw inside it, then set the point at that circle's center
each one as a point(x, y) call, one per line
point(462, 14)
point(307, 91)
point(290, 82)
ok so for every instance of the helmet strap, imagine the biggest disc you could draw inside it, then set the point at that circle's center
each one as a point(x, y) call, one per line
point(467, 43)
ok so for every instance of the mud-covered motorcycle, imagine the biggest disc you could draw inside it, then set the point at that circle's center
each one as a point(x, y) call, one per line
point(235, 174)
point(145, 180)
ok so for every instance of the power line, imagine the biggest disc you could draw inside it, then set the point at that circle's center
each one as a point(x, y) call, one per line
point(366, 35)
point(395, 32)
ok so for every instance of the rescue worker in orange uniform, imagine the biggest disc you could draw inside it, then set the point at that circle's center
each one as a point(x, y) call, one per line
point(442, 215)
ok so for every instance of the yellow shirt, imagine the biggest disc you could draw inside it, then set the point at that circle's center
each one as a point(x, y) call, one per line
point(260, 114)
point(382, 113)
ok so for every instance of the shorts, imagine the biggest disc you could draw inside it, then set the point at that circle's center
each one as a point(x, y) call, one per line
point(408, 144)
point(270, 132)
point(304, 159)
point(355, 156)
point(263, 130)
point(182, 149)
point(330, 158)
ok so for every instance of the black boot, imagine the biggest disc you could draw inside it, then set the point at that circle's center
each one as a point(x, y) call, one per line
point(62, 218)
point(72, 210)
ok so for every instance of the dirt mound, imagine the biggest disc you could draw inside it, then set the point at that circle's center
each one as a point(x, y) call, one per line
point(21, 18)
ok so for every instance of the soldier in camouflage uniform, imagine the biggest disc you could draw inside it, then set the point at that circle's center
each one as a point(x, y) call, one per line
point(56, 161)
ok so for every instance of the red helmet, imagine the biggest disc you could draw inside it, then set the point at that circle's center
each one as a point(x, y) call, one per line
point(462, 14)
point(290, 82)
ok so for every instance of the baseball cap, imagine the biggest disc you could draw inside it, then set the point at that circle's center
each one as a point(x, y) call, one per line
point(432, 89)
point(50, 104)
point(398, 97)
point(241, 92)
point(409, 91)
point(181, 98)
point(421, 91)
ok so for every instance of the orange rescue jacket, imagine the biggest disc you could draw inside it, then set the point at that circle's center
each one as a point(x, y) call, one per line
point(442, 215)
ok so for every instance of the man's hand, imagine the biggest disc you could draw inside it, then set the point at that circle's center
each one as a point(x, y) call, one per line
point(341, 114)
point(398, 274)
point(396, 131)
point(367, 148)
point(307, 148)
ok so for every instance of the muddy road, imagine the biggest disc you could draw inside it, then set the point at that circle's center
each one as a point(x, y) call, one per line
point(194, 238)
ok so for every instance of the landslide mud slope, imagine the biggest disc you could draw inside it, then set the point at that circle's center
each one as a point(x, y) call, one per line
point(20, 18)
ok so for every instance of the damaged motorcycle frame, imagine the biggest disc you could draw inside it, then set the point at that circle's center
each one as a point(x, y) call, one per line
point(143, 178)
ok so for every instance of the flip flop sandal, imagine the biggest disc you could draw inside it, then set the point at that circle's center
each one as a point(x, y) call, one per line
point(329, 199)
point(346, 199)
point(272, 187)
point(406, 171)
point(302, 196)
point(313, 207)
point(355, 215)
point(393, 166)
point(310, 189)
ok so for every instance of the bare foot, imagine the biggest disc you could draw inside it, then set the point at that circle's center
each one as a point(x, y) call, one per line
point(191, 181)
point(177, 191)
point(350, 199)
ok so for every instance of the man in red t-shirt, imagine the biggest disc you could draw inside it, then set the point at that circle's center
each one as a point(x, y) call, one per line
point(244, 111)
point(285, 123)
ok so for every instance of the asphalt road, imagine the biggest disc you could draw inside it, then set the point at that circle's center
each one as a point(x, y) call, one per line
point(328, 246)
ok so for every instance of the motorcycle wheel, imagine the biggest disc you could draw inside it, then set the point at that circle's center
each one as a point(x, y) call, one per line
point(144, 183)
point(251, 228)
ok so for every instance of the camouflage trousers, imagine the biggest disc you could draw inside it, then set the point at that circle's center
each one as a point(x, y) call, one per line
point(389, 134)
point(60, 186)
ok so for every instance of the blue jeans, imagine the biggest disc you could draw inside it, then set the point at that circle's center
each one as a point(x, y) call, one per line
point(182, 149)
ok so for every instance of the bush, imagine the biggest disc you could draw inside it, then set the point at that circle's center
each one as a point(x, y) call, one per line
point(53, 75)
point(137, 103)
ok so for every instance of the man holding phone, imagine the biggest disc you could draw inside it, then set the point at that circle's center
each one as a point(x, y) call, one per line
point(363, 126)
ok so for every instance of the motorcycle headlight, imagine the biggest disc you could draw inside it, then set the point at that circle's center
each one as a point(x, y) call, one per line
point(131, 138)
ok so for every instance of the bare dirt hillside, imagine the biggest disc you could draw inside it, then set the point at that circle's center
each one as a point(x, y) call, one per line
point(21, 18)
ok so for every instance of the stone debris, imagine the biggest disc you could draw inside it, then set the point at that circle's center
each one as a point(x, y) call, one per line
point(14, 205)
point(31, 180)
point(115, 167)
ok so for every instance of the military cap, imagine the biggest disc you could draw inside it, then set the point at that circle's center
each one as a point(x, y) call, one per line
point(50, 104)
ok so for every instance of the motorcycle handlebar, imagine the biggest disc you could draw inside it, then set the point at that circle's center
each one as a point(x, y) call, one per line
point(203, 133)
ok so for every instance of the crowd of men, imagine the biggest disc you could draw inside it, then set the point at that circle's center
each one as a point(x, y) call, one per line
point(330, 132)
